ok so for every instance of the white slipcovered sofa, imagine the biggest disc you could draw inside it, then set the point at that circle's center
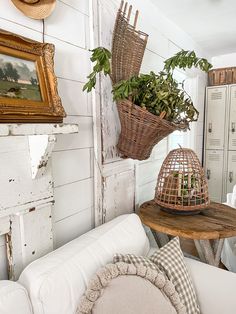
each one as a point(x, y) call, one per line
point(54, 284)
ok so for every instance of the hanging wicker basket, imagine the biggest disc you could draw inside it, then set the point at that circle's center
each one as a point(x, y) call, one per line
point(141, 130)
point(181, 184)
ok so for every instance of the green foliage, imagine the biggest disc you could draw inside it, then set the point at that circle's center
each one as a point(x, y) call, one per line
point(186, 59)
point(102, 58)
point(159, 94)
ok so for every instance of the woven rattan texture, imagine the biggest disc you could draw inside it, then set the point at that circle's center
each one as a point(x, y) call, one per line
point(141, 130)
point(181, 183)
point(128, 46)
point(222, 76)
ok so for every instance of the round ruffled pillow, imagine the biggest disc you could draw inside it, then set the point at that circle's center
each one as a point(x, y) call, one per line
point(123, 288)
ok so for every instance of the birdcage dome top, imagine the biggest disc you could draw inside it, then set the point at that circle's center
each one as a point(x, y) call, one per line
point(181, 183)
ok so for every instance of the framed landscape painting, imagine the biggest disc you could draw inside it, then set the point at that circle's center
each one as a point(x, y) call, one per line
point(28, 86)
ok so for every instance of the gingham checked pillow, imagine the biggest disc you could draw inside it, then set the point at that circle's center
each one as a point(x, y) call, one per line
point(134, 259)
point(170, 259)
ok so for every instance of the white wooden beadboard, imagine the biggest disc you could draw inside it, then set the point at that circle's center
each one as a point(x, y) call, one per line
point(63, 22)
point(72, 227)
point(75, 101)
point(19, 192)
point(67, 63)
point(73, 198)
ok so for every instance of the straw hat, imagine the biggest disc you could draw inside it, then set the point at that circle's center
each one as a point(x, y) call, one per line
point(36, 9)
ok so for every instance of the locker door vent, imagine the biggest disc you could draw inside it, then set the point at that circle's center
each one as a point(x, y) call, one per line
point(214, 157)
point(216, 95)
point(233, 158)
point(214, 142)
point(234, 142)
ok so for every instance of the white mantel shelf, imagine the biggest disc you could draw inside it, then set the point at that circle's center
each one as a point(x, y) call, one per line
point(41, 138)
point(27, 129)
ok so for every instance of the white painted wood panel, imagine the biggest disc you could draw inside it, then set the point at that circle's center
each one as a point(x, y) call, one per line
point(10, 12)
point(83, 139)
point(68, 29)
point(74, 100)
point(19, 188)
point(82, 5)
point(72, 198)
point(30, 238)
point(146, 192)
point(70, 228)
point(119, 194)
point(71, 166)
point(19, 29)
point(3, 259)
point(64, 23)
point(71, 62)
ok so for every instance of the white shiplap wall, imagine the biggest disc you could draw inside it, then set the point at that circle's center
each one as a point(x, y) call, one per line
point(71, 166)
point(137, 180)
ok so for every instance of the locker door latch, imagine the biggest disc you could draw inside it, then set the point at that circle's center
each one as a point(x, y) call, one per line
point(233, 127)
point(208, 174)
point(231, 176)
point(210, 127)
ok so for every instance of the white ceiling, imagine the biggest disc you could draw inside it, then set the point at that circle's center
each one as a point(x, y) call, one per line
point(211, 23)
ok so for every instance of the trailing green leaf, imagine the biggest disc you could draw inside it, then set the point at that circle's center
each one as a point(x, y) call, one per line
point(102, 58)
point(186, 59)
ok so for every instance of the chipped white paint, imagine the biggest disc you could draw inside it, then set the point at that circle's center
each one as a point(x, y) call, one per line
point(30, 237)
point(41, 139)
point(16, 129)
point(4, 225)
point(19, 192)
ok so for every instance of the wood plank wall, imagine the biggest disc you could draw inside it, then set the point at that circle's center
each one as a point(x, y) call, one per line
point(72, 161)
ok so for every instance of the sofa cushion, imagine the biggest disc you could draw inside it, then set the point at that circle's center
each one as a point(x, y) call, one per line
point(13, 298)
point(56, 281)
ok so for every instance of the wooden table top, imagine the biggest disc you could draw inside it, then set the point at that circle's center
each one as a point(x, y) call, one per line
point(216, 222)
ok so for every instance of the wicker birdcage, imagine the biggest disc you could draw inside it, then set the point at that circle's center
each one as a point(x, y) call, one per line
point(181, 184)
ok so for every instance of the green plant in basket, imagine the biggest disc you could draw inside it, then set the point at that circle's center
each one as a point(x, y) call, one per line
point(160, 93)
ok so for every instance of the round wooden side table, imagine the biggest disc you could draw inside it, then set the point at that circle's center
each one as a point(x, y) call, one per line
point(207, 229)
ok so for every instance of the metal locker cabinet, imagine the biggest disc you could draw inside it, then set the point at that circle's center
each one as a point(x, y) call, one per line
point(231, 171)
point(214, 161)
point(232, 117)
point(215, 117)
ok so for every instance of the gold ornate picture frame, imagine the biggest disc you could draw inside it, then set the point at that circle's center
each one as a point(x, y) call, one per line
point(28, 85)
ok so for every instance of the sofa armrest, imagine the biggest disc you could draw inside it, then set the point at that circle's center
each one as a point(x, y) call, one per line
point(215, 288)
